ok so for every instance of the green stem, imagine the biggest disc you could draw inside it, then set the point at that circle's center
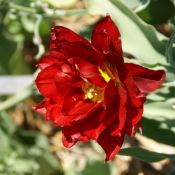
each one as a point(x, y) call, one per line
point(49, 13)
point(61, 13)
point(22, 8)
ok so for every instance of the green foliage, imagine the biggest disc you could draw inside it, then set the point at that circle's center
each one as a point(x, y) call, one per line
point(145, 155)
point(24, 152)
point(159, 131)
point(152, 41)
point(170, 53)
point(157, 12)
point(96, 167)
point(24, 32)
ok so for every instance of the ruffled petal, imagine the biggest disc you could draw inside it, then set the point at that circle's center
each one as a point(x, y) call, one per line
point(46, 81)
point(114, 115)
point(57, 79)
point(121, 109)
point(88, 71)
point(145, 79)
point(41, 107)
point(106, 36)
point(71, 135)
point(50, 59)
point(78, 49)
point(87, 128)
point(61, 34)
point(110, 144)
point(75, 105)
point(52, 111)
point(134, 117)
point(76, 45)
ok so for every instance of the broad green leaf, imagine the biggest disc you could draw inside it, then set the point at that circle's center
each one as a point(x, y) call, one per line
point(131, 4)
point(49, 164)
point(6, 123)
point(136, 5)
point(96, 168)
point(17, 65)
point(24, 166)
point(160, 110)
point(44, 28)
point(144, 154)
point(163, 94)
point(172, 172)
point(7, 49)
point(138, 38)
point(4, 142)
point(157, 12)
point(32, 138)
point(169, 50)
point(161, 131)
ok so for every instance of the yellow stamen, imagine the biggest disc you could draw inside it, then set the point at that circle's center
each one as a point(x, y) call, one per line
point(93, 93)
point(104, 75)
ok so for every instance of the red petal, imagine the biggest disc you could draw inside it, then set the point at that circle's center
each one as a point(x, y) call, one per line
point(106, 36)
point(46, 81)
point(82, 51)
point(41, 107)
point(145, 79)
point(121, 108)
point(52, 111)
point(110, 144)
point(85, 129)
point(61, 34)
point(114, 117)
point(71, 135)
point(49, 60)
point(75, 105)
point(57, 79)
point(89, 71)
point(125, 77)
point(134, 115)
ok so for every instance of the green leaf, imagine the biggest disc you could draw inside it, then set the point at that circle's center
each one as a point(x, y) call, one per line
point(138, 38)
point(17, 65)
point(7, 49)
point(96, 168)
point(24, 166)
point(157, 12)
point(169, 50)
point(159, 110)
point(7, 123)
point(144, 154)
point(172, 172)
point(4, 142)
point(136, 4)
point(32, 138)
point(161, 131)
point(49, 165)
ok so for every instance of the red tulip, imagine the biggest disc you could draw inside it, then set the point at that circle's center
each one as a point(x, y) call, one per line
point(90, 91)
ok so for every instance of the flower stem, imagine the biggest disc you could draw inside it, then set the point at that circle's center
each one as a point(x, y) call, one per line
point(48, 13)
point(22, 8)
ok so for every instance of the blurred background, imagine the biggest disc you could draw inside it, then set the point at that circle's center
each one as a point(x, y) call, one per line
point(29, 145)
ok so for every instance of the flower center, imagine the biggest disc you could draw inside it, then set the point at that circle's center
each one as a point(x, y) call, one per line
point(93, 93)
